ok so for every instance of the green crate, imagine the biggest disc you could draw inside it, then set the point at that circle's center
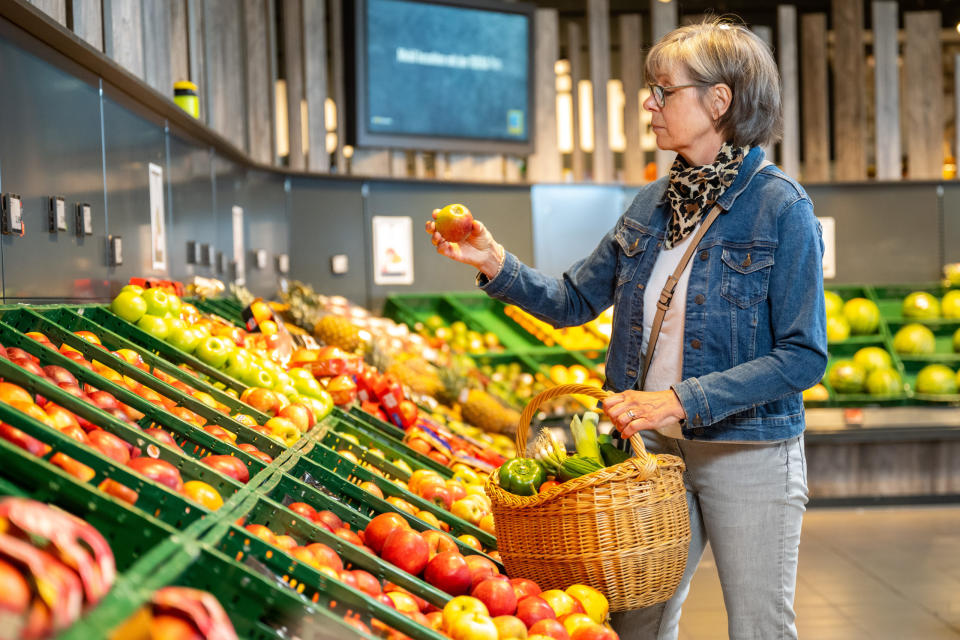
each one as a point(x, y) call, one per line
point(222, 309)
point(73, 321)
point(337, 442)
point(27, 320)
point(316, 456)
point(368, 439)
point(416, 308)
point(912, 368)
point(105, 318)
point(282, 521)
point(491, 315)
point(943, 343)
point(351, 503)
point(890, 300)
point(313, 585)
point(358, 420)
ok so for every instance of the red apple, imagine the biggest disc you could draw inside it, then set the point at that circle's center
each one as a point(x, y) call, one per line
point(220, 433)
point(454, 222)
point(438, 494)
point(104, 400)
point(159, 471)
point(498, 595)
point(347, 578)
point(403, 602)
point(439, 542)
point(449, 572)
point(523, 588)
point(229, 466)
point(532, 609)
point(262, 532)
point(298, 414)
point(349, 536)
point(367, 583)
point(329, 519)
point(326, 556)
point(58, 374)
point(380, 528)
point(303, 509)
point(109, 445)
point(550, 627)
point(593, 632)
point(22, 440)
point(256, 453)
point(163, 436)
point(119, 491)
point(480, 569)
point(15, 594)
point(285, 542)
point(406, 549)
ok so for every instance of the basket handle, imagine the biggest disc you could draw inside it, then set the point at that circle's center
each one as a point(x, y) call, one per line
point(523, 427)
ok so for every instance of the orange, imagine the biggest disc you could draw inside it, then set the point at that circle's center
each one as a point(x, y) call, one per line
point(203, 494)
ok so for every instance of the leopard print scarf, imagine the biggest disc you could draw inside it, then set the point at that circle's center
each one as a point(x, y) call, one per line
point(693, 190)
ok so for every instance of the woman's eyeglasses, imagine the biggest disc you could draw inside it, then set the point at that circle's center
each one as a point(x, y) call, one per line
point(660, 93)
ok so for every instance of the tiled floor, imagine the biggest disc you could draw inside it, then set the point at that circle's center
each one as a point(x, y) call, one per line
point(865, 574)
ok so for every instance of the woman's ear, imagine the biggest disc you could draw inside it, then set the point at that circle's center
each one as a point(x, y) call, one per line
point(720, 99)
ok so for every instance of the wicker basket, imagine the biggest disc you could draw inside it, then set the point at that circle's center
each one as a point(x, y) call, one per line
point(623, 530)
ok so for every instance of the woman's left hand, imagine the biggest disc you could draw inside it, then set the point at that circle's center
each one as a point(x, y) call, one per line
point(633, 411)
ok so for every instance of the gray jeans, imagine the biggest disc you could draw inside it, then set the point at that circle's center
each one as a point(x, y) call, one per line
point(747, 501)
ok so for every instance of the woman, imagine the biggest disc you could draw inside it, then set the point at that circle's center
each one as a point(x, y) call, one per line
point(745, 332)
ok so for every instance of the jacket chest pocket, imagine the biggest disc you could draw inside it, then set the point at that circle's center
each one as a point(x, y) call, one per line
point(746, 275)
point(632, 245)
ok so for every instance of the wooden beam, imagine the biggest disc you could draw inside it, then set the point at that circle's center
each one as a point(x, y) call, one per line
point(598, 16)
point(88, 21)
point(887, 89)
point(315, 81)
point(849, 91)
point(816, 107)
point(631, 74)
point(156, 46)
point(259, 83)
point(293, 74)
point(544, 163)
point(575, 56)
point(123, 34)
point(790, 89)
point(663, 20)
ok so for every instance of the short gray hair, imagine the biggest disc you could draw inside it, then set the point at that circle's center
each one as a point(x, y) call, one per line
point(720, 51)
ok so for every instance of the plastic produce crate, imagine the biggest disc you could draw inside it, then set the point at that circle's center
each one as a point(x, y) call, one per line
point(105, 318)
point(323, 489)
point(890, 300)
point(943, 342)
point(371, 439)
point(226, 309)
point(69, 319)
point(26, 320)
point(418, 307)
point(317, 458)
point(489, 314)
point(913, 367)
point(848, 292)
point(282, 521)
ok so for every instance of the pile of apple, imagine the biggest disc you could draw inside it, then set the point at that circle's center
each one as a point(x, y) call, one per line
point(182, 613)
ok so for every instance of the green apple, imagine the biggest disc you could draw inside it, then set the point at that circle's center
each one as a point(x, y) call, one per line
point(299, 373)
point(129, 306)
point(308, 387)
point(283, 380)
point(174, 303)
point(261, 378)
point(157, 302)
point(288, 390)
point(214, 351)
point(137, 289)
point(238, 364)
point(184, 338)
point(174, 323)
point(154, 325)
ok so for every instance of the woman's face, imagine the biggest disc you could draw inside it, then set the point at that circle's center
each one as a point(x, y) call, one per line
point(685, 122)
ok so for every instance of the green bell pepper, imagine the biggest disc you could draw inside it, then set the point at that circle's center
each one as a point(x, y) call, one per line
point(521, 476)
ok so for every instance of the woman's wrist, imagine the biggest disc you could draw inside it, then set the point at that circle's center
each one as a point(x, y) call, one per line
point(493, 262)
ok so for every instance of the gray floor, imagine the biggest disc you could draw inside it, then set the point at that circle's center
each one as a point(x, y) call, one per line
point(877, 574)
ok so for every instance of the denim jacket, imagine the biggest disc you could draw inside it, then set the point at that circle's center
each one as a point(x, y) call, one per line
point(755, 324)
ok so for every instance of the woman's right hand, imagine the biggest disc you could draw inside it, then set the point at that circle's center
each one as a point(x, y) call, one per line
point(479, 250)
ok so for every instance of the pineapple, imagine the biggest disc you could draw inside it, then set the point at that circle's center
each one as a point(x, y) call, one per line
point(483, 410)
point(338, 332)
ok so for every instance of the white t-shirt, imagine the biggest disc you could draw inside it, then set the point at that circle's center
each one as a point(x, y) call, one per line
point(666, 368)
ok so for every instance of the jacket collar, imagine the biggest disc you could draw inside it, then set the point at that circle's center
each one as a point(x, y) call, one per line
point(748, 169)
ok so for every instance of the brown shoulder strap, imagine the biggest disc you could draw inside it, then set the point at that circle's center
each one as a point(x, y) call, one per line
point(666, 295)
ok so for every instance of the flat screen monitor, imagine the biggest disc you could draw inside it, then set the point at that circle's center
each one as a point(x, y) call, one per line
point(452, 75)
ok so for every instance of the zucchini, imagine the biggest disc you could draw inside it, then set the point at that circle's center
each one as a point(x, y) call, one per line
point(612, 455)
point(576, 466)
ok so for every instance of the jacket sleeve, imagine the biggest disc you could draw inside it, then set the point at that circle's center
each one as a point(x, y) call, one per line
point(581, 294)
point(798, 317)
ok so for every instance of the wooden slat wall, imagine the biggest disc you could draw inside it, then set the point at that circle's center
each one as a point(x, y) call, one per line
point(923, 83)
point(156, 46)
point(816, 108)
point(849, 91)
point(88, 21)
point(598, 19)
point(575, 56)
point(766, 34)
point(293, 74)
point(225, 69)
point(315, 79)
point(198, 55)
point(787, 61)
point(631, 74)
point(544, 164)
point(179, 42)
point(956, 107)
point(663, 18)
point(123, 34)
point(887, 89)
point(370, 162)
point(56, 9)
point(337, 82)
point(258, 47)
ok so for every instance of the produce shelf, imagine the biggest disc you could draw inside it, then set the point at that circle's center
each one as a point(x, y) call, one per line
point(489, 313)
point(846, 350)
point(890, 301)
point(943, 343)
point(228, 310)
point(367, 437)
point(912, 368)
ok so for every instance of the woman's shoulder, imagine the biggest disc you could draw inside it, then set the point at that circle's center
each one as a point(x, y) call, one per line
point(777, 188)
point(648, 198)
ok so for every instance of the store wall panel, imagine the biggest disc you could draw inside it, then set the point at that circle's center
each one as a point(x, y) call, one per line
point(193, 217)
point(951, 222)
point(326, 219)
point(265, 228)
point(228, 180)
point(505, 211)
point(132, 144)
point(51, 135)
point(885, 233)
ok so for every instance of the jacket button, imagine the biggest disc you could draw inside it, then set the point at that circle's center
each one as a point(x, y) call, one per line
point(697, 421)
point(658, 244)
point(640, 286)
point(637, 327)
point(695, 343)
point(699, 299)
point(631, 372)
point(704, 255)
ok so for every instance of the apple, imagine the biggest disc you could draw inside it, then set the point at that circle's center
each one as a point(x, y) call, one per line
point(104, 400)
point(260, 377)
point(462, 605)
point(308, 387)
point(438, 494)
point(371, 488)
point(159, 471)
point(456, 489)
point(524, 587)
point(472, 626)
point(283, 429)
point(532, 609)
point(449, 572)
point(303, 509)
point(573, 621)
point(498, 595)
point(154, 325)
point(561, 603)
point(403, 602)
point(109, 445)
point(62, 418)
point(129, 306)
point(594, 632)
point(22, 440)
point(480, 569)
point(471, 541)
point(367, 583)
point(299, 414)
point(163, 436)
point(594, 603)
point(406, 549)
point(10, 393)
point(263, 533)
point(454, 222)
point(229, 466)
point(469, 509)
point(220, 433)
point(285, 542)
point(214, 351)
point(183, 338)
point(73, 467)
point(510, 628)
point(256, 453)
point(349, 536)
point(326, 556)
point(58, 374)
point(157, 301)
point(263, 400)
point(380, 528)
point(551, 628)
point(329, 519)
point(119, 491)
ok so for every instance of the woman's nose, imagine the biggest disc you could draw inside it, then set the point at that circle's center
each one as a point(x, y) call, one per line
point(650, 104)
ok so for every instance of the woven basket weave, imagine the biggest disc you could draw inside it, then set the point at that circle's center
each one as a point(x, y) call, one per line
point(623, 530)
